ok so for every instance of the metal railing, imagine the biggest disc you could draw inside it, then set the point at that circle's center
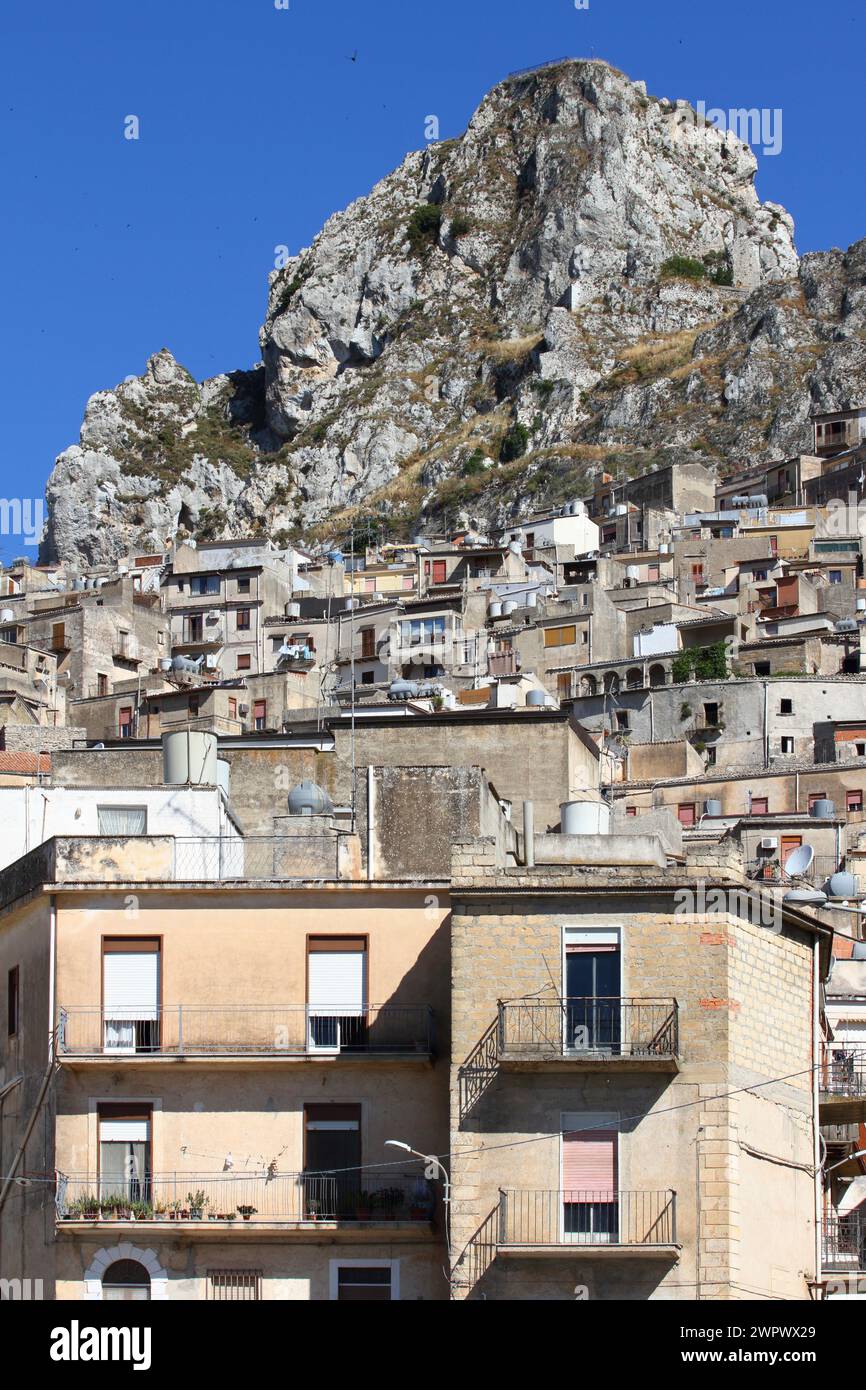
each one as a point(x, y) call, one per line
point(768, 869)
point(609, 1027)
point(844, 1071)
point(254, 1197)
point(290, 1030)
point(533, 1218)
point(256, 857)
point(843, 1243)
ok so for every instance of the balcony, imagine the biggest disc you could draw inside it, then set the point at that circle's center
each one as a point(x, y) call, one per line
point(221, 1206)
point(503, 664)
point(843, 1244)
point(589, 1034)
point(843, 1086)
point(124, 647)
point(601, 1224)
point(294, 1032)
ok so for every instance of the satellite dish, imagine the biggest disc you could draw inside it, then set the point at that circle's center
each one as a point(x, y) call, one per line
point(799, 861)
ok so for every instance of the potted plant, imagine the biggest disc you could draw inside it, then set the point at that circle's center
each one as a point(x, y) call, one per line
point(231, 1216)
point(160, 1211)
point(141, 1211)
point(174, 1211)
point(246, 1212)
point(197, 1202)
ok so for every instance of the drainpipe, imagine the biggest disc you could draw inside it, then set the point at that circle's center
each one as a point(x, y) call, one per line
point(529, 834)
point(370, 809)
point(816, 1090)
point(766, 725)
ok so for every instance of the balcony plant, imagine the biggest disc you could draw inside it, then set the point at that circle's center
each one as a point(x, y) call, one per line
point(174, 1211)
point(197, 1201)
point(247, 1211)
point(142, 1211)
point(160, 1211)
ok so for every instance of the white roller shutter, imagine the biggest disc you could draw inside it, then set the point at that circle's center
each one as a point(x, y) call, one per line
point(336, 982)
point(131, 984)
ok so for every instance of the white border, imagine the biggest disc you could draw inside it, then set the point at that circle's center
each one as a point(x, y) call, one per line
point(126, 1251)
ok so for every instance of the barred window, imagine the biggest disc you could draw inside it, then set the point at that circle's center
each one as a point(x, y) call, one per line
point(238, 1285)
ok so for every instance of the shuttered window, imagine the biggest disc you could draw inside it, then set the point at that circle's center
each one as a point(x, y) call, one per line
point(589, 1161)
point(337, 971)
point(130, 995)
point(560, 636)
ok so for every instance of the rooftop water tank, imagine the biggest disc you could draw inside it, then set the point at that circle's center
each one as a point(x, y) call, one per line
point(536, 699)
point(823, 809)
point(531, 599)
point(584, 818)
point(861, 605)
point(190, 757)
point(846, 625)
point(403, 690)
point(293, 610)
point(7, 616)
point(508, 607)
point(712, 808)
point(494, 609)
point(308, 799)
point(516, 547)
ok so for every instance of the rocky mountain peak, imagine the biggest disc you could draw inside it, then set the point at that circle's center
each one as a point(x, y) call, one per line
point(586, 278)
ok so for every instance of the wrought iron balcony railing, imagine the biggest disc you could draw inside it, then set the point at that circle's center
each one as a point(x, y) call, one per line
point(567, 1218)
point(290, 1030)
point(843, 1243)
point(844, 1071)
point(361, 1196)
point(603, 1027)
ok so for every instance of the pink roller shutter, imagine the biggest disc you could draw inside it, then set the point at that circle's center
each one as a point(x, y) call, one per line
point(589, 1163)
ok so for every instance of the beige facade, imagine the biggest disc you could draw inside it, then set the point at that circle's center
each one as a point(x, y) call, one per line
point(714, 1131)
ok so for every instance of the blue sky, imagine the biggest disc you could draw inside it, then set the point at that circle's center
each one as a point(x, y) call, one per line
point(256, 125)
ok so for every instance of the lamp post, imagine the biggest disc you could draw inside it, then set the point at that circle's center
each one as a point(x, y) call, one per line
point(432, 1162)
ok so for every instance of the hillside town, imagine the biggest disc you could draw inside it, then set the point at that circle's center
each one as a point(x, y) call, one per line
point(471, 917)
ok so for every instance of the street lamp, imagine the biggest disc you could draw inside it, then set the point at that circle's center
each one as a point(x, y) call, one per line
point(432, 1162)
point(861, 1153)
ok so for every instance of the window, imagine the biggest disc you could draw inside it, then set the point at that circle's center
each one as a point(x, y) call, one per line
point(58, 636)
point(787, 745)
point(234, 1285)
point(854, 801)
point(130, 994)
point(563, 685)
point(244, 584)
point(686, 813)
point(124, 1152)
point(786, 706)
point(125, 1281)
point(760, 806)
point(364, 1281)
point(204, 584)
point(337, 993)
point(697, 571)
point(332, 1156)
point(711, 756)
point(762, 668)
point(121, 820)
point(816, 796)
point(440, 571)
point(861, 750)
point(13, 1000)
point(244, 661)
point(193, 705)
point(422, 632)
point(622, 719)
point(101, 684)
point(835, 576)
point(233, 708)
point(368, 677)
point(560, 636)
point(368, 642)
point(124, 721)
point(631, 810)
point(260, 714)
point(590, 1178)
point(243, 619)
point(194, 629)
point(592, 988)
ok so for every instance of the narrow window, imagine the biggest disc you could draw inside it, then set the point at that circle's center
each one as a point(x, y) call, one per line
point(13, 1000)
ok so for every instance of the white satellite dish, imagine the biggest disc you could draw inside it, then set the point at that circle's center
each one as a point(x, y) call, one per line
point(799, 861)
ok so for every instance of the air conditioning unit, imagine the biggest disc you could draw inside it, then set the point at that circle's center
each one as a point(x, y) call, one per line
point(769, 843)
point(243, 709)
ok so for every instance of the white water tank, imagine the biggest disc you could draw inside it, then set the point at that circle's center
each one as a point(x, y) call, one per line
point(293, 610)
point(494, 609)
point(536, 699)
point(223, 776)
point(712, 808)
point(584, 818)
point(189, 757)
point(7, 616)
point(508, 607)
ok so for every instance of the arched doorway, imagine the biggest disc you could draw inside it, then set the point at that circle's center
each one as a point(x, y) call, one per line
point(126, 1281)
point(657, 676)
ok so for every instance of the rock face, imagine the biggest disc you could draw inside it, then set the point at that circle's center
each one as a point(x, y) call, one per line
point(586, 279)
